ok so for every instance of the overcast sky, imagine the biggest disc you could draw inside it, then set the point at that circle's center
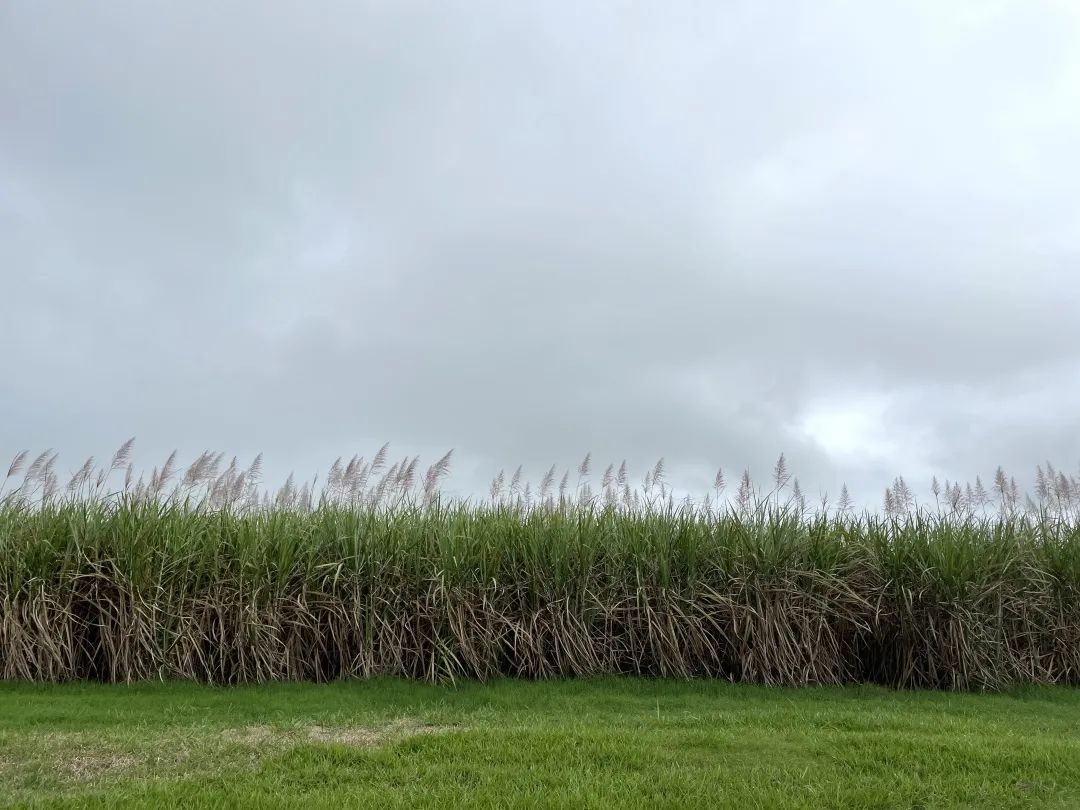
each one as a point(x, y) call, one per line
point(713, 232)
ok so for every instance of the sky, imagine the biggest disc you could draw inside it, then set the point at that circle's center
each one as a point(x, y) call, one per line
point(710, 232)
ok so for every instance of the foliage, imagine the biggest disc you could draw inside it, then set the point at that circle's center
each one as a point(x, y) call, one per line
point(382, 577)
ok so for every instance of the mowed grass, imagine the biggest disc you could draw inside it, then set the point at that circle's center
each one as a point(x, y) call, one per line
point(608, 742)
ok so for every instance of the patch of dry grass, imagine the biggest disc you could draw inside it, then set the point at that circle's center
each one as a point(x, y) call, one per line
point(75, 760)
point(261, 735)
point(87, 764)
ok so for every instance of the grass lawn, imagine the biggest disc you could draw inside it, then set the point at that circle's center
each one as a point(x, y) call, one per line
point(592, 743)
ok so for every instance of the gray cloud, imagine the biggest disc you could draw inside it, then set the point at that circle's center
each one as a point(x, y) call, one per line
point(709, 231)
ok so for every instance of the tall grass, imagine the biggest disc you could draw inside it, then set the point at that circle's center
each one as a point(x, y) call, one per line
point(207, 576)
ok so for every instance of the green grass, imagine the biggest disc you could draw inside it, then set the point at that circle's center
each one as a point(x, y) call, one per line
point(582, 743)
